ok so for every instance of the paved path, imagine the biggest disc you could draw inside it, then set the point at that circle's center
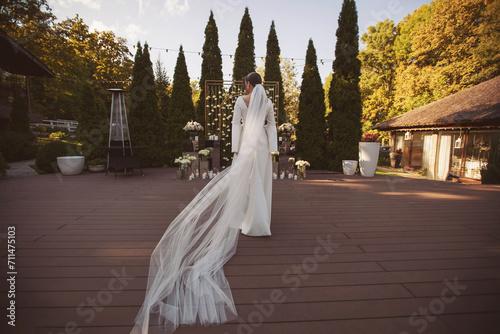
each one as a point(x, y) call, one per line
point(348, 254)
point(21, 168)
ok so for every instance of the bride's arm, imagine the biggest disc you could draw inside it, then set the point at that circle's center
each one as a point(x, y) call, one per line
point(272, 135)
point(236, 127)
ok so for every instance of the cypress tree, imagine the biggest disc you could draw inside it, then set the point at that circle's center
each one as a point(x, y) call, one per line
point(181, 109)
point(311, 127)
point(162, 88)
point(344, 122)
point(211, 67)
point(145, 123)
point(273, 69)
point(244, 57)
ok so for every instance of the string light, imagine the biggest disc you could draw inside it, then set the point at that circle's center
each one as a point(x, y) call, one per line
point(323, 60)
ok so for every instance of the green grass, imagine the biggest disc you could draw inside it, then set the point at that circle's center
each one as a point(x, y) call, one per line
point(380, 172)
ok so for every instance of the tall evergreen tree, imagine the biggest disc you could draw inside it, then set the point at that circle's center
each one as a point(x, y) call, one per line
point(211, 66)
point(311, 128)
point(273, 69)
point(181, 109)
point(145, 123)
point(244, 57)
point(163, 88)
point(344, 122)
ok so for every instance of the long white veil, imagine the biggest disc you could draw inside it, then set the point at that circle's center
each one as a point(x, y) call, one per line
point(186, 282)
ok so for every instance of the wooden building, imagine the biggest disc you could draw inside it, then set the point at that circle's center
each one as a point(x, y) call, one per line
point(451, 135)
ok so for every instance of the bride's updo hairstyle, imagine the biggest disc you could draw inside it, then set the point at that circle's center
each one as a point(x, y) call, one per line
point(253, 78)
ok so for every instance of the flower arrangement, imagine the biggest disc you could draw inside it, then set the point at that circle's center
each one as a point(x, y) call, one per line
point(370, 137)
point(184, 163)
point(302, 164)
point(205, 153)
point(286, 129)
point(193, 126)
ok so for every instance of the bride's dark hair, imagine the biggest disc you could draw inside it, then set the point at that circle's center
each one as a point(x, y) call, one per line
point(253, 78)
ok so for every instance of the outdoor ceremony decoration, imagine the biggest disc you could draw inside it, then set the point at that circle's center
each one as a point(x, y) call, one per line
point(220, 97)
point(286, 130)
point(184, 163)
point(205, 153)
point(301, 169)
point(193, 126)
point(368, 154)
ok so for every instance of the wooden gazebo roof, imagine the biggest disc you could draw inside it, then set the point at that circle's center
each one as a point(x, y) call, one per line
point(17, 60)
point(478, 106)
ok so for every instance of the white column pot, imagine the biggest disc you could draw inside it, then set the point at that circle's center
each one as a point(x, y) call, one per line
point(349, 166)
point(71, 165)
point(368, 158)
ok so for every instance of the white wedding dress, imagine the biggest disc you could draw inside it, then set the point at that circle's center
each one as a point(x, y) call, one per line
point(186, 281)
point(257, 220)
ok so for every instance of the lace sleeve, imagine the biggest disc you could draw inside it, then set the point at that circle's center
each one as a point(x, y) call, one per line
point(236, 127)
point(272, 135)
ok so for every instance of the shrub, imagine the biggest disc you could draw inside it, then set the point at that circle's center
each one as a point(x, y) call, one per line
point(17, 146)
point(384, 159)
point(3, 166)
point(59, 135)
point(46, 159)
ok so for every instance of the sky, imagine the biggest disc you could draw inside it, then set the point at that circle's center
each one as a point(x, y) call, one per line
point(167, 24)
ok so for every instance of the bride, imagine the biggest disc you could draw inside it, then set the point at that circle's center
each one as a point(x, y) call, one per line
point(186, 282)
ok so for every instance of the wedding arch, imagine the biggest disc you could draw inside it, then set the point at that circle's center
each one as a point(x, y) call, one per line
point(220, 97)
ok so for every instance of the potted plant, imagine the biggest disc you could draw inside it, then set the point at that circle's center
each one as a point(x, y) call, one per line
point(369, 148)
point(396, 158)
point(97, 165)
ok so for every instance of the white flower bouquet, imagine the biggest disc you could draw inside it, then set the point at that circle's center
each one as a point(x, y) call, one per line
point(204, 154)
point(184, 163)
point(302, 164)
point(286, 128)
point(193, 126)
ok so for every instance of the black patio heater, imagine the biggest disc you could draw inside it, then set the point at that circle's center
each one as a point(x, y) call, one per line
point(120, 150)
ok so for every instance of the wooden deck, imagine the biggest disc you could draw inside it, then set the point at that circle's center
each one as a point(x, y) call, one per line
point(348, 254)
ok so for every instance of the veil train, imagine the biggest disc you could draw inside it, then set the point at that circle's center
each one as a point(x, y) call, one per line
point(186, 281)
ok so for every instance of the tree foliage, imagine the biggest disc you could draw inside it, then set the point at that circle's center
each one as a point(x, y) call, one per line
point(273, 69)
point(181, 109)
point(378, 73)
point(244, 57)
point(19, 118)
point(443, 48)
point(344, 122)
point(145, 122)
point(291, 91)
point(211, 67)
point(311, 127)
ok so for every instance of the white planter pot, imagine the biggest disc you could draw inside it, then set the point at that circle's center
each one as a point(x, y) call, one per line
point(71, 165)
point(97, 168)
point(349, 166)
point(368, 158)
